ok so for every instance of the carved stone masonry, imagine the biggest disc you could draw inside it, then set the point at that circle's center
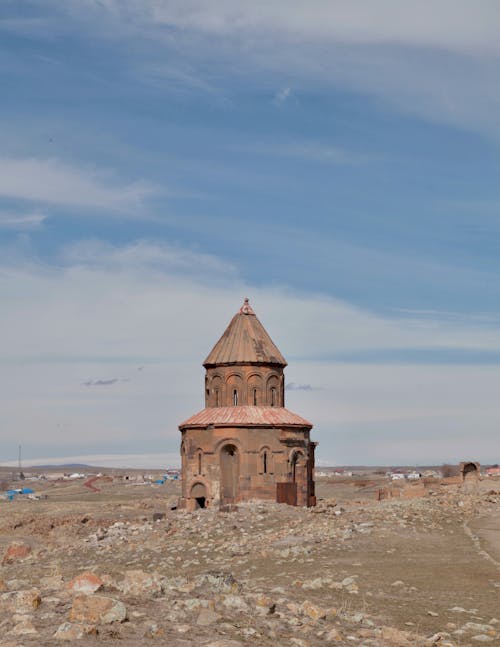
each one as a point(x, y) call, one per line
point(245, 445)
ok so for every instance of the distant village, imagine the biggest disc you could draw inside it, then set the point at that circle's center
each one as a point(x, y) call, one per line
point(90, 478)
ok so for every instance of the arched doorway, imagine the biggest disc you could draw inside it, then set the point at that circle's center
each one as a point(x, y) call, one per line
point(199, 494)
point(229, 473)
point(297, 464)
point(469, 469)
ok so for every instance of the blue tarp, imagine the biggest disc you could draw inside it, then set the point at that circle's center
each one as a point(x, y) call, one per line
point(25, 490)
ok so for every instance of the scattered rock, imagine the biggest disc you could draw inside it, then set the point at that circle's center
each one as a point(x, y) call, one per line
point(97, 609)
point(52, 582)
point(483, 638)
point(17, 551)
point(333, 636)
point(235, 602)
point(312, 611)
point(207, 617)
point(85, 583)
point(21, 601)
point(69, 631)
point(395, 637)
point(154, 631)
point(218, 581)
point(24, 628)
point(138, 582)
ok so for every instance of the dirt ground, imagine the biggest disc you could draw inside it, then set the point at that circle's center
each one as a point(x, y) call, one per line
point(352, 571)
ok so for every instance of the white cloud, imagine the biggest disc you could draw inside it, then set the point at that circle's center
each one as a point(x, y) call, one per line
point(456, 25)
point(435, 58)
point(383, 414)
point(93, 318)
point(50, 181)
point(134, 300)
point(21, 221)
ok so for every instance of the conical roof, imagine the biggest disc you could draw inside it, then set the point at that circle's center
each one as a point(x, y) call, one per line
point(245, 341)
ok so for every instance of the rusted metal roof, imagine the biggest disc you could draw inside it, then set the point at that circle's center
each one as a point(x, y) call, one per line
point(243, 416)
point(245, 341)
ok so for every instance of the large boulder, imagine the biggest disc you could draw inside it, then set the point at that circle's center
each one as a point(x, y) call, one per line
point(97, 609)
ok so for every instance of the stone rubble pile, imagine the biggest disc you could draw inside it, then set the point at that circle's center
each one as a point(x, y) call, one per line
point(259, 576)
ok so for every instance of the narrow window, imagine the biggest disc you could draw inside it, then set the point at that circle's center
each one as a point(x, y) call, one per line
point(235, 397)
point(217, 403)
point(199, 462)
point(264, 462)
point(273, 397)
point(255, 397)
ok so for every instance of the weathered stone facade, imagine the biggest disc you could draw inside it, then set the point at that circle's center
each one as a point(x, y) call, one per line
point(245, 445)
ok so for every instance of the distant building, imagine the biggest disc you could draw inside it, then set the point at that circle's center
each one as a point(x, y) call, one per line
point(245, 445)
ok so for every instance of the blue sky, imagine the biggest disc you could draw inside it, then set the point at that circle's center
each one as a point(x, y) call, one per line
point(336, 162)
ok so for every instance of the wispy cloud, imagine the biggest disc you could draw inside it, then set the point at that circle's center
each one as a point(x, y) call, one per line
point(53, 182)
point(435, 59)
point(281, 96)
point(309, 150)
point(456, 25)
point(293, 386)
point(109, 319)
point(109, 382)
point(146, 255)
point(21, 221)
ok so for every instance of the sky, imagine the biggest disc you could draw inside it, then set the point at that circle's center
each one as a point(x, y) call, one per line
point(337, 162)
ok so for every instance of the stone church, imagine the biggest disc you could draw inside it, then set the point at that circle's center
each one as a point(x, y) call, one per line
point(245, 445)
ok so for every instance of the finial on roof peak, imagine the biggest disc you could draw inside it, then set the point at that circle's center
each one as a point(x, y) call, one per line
point(246, 308)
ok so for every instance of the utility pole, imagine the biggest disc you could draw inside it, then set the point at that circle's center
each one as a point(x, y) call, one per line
point(21, 475)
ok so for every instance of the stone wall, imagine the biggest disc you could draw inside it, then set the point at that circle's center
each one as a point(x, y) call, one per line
point(234, 464)
point(250, 385)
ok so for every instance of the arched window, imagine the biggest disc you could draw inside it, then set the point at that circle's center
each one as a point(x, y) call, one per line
point(217, 398)
point(235, 398)
point(255, 397)
point(199, 460)
point(273, 396)
point(265, 461)
point(183, 455)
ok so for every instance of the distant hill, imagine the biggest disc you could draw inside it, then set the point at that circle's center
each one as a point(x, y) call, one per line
point(69, 466)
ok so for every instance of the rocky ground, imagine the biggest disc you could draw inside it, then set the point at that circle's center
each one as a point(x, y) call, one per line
point(120, 565)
